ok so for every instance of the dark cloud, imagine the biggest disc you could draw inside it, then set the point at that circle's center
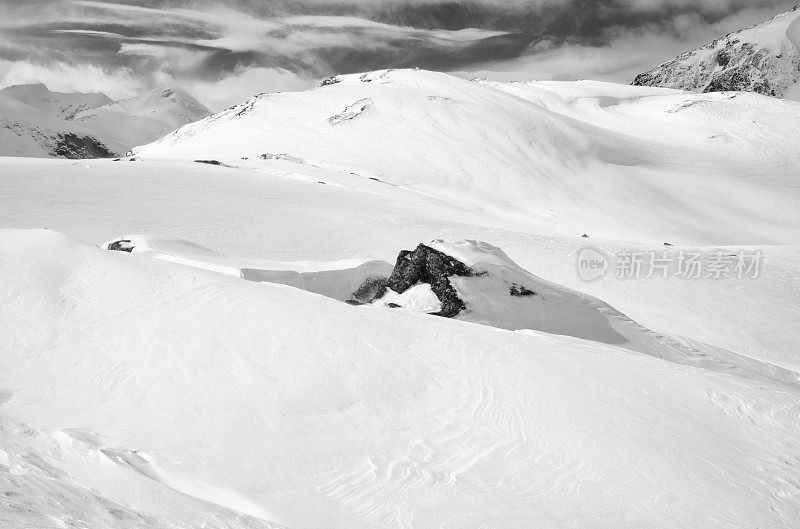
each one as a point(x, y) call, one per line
point(149, 42)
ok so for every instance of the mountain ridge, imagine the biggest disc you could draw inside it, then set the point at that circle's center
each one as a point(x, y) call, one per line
point(145, 117)
point(763, 58)
point(63, 105)
point(89, 125)
point(29, 132)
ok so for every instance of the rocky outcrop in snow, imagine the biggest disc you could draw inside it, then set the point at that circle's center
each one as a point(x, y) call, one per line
point(476, 282)
point(422, 265)
point(762, 59)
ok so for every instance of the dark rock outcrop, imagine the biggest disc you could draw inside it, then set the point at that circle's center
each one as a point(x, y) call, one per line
point(372, 288)
point(71, 145)
point(123, 245)
point(422, 265)
point(520, 291)
point(329, 81)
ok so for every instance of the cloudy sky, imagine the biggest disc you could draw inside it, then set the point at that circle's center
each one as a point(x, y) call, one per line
point(224, 51)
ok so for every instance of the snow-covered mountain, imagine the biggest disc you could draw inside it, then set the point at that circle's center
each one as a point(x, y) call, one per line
point(61, 105)
point(565, 156)
point(34, 118)
point(764, 58)
point(27, 131)
point(145, 118)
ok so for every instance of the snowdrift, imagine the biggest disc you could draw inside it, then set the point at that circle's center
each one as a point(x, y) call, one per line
point(334, 280)
point(204, 400)
point(621, 162)
point(487, 287)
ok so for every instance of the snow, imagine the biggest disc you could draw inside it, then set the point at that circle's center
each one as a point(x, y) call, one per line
point(57, 104)
point(772, 33)
point(26, 131)
point(763, 58)
point(213, 378)
point(398, 419)
point(264, 221)
point(610, 159)
point(793, 33)
point(32, 118)
point(419, 298)
point(142, 119)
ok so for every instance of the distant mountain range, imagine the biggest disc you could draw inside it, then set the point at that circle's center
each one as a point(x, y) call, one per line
point(764, 58)
point(37, 122)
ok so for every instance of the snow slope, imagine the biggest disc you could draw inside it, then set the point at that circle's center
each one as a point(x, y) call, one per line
point(764, 58)
point(212, 377)
point(61, 105)
point(621, 162)
point(262, 218)
point(200, 399)
point(145, 118)
point(26, 131)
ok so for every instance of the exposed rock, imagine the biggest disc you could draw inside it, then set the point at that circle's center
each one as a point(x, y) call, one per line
point(422, 265)
point(372, 288)
point(352, 111)
point(760, 59)
point(123, 245)
point(71, 145)
point(520, 291)
point(329, 81)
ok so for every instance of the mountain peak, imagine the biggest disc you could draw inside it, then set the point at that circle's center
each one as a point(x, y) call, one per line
point(764, 58)
point(64, 105)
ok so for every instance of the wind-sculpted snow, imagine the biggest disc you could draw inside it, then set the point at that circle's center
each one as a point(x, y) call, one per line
point(155, 394)
point(49, 478)
point(567, 157)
